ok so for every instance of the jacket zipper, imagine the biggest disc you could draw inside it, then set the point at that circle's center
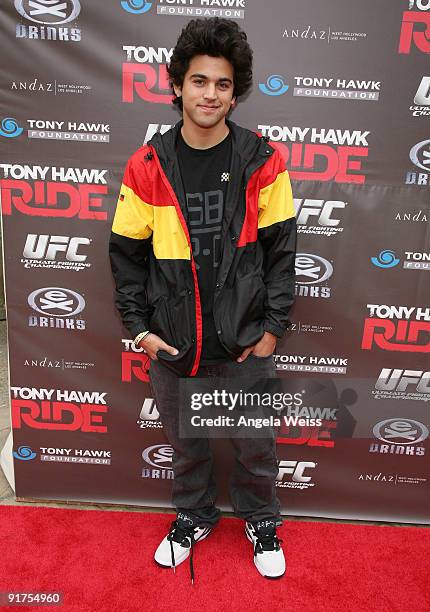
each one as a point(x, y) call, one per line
point(198, 309)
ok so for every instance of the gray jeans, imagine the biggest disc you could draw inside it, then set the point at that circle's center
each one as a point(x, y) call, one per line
point(252, 481)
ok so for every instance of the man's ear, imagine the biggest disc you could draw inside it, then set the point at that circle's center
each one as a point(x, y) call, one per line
point(178, 90)
point(233, 102)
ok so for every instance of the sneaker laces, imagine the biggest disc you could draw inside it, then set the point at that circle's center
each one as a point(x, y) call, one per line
point(266, 541)
point(180, 534)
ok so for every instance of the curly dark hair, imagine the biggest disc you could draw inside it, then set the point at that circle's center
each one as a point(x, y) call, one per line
point(216, 37)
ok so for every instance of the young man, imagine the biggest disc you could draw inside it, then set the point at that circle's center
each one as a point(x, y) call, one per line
point(202, 252)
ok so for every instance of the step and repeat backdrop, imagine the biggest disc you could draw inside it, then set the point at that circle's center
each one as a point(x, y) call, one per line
point(343, 87)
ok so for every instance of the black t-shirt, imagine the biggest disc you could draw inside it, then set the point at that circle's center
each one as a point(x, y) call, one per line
point(205, 176)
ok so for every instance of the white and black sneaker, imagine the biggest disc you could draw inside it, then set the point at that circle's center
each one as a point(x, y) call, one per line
point(268, 555)
point(179, 543)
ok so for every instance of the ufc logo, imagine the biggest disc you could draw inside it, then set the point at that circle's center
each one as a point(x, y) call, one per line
point(45, 246)
point(422, 97)
point(296, 468)
point(149, 410)
point(399, 380)
point(317, 208)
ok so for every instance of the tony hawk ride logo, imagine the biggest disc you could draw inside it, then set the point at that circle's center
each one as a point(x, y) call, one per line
point(314, 154)
point(69, 411)
point(144, 74)
point(416, 27)
point(46, 191)
point(307, 425)
point(397, 328)
point(134, 363)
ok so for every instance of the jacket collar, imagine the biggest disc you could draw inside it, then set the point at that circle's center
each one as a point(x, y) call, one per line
point(245, 143)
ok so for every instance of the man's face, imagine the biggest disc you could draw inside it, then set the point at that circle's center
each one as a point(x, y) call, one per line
point(207, 91)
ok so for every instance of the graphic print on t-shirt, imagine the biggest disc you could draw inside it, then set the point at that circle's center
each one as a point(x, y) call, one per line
point(205, 219)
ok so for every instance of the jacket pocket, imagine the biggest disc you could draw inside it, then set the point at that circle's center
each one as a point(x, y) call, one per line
point(160, 321)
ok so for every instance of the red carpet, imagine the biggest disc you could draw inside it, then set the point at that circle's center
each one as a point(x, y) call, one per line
point(102, 560)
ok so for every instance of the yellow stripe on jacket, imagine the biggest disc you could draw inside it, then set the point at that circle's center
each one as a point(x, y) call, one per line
point(275, 201)
point(136, 219)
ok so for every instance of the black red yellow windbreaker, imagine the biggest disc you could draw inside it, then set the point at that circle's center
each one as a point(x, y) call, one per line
point(152, 261)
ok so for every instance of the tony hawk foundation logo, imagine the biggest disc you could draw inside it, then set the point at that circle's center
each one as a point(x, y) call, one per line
point(228, 9)
point(312, 363)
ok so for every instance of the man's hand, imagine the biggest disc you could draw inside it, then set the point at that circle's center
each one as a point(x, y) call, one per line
point(153, 343)
point(264, 347)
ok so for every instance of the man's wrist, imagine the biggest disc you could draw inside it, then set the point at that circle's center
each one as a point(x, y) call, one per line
point(275, 330)
point(139, 338)
point(272, 335)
